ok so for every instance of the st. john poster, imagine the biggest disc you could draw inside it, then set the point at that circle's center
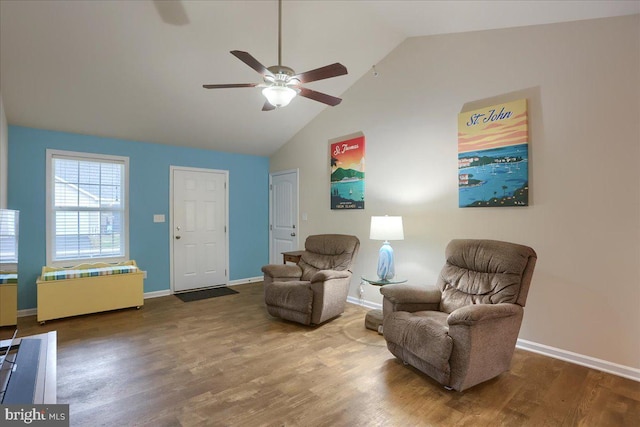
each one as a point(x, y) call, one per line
point(347, 172)
point(493, 156)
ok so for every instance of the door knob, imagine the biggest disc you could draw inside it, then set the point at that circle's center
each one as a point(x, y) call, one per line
point(177, 237)
point(293, 234)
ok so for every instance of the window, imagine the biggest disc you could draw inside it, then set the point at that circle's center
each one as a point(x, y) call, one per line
point(87, 208)
point(8, 239)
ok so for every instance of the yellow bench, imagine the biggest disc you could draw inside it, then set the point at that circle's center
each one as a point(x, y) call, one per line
point(8, 298)
point(88, 288)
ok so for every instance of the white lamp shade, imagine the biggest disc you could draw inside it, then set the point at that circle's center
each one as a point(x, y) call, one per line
point(279, 96)
point(386, 228)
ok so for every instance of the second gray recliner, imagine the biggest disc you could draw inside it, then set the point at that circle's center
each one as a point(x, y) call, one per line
point(316, 289)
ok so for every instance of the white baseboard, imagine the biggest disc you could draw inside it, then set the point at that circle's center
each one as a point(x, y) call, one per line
point(245, 280)
point(364, 303)
point(156, 294)
point(545, 350)
point(580, 359)
point(27, 312)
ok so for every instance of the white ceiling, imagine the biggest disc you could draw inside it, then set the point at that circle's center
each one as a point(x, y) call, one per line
point(134, 69)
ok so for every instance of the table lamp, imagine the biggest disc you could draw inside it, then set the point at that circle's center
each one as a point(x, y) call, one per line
point(386, 228)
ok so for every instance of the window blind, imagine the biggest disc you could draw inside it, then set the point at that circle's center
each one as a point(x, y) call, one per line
point(88, 208)
point(8, 236)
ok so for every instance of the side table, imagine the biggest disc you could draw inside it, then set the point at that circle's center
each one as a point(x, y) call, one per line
point(373, 319)
point(293, 256)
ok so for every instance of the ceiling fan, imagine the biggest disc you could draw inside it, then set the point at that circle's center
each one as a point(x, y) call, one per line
point(280, 83)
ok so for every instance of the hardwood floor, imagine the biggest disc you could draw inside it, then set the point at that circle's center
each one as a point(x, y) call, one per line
point(225, 362)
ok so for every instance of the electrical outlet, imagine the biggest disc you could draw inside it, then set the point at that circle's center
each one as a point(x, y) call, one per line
point(144, 274)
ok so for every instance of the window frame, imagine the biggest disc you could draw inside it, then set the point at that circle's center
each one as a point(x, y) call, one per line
point(11, 264)
point(50, 208)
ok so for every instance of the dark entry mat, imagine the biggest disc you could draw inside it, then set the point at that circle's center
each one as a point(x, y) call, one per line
point(205, 293)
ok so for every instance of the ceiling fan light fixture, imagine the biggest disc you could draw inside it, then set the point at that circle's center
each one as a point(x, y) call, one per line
point(279, 96)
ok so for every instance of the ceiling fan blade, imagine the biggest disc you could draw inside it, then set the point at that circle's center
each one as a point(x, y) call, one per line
point(319, 96)
point(251, 62)
point(226, 86)
point(321, 73)
point(267, 106)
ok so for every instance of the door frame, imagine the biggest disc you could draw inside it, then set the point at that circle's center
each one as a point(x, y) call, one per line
point(296, 171)
point(173, 168)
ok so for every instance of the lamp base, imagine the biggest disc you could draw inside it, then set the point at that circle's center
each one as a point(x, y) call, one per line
point(386, 268)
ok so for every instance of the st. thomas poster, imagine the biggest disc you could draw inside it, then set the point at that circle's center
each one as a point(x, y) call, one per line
point(493, 156)
point(347, 172)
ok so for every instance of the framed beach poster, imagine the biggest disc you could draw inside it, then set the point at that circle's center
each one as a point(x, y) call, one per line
point(493, 156)
point(347, 172)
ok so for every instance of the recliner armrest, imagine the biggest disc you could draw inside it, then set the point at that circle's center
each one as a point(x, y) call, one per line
point(402, 293)
point(324, 275)
point(477, 313)
point(282, 271)
point(410, 298)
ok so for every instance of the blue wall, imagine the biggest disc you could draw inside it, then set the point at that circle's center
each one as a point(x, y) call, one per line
point(148, 195)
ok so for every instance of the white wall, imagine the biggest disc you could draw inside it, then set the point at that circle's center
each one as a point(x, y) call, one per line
point(582, 82)
point(4, 144)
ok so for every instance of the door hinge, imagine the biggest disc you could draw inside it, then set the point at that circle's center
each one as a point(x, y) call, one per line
point(270, 227)
point(225, 272)
point(225, 185)
point(270, 186)
point(225, 228)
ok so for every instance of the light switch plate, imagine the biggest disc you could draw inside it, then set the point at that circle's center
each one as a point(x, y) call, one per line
point(158, 218)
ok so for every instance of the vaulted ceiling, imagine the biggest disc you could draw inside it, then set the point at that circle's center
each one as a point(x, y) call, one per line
point(135, 69)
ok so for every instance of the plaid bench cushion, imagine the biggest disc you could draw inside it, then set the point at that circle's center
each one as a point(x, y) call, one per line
point(88, 272)
point(9, 278)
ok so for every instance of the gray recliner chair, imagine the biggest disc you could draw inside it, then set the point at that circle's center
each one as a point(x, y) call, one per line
point(463, 331)
point(316, 289)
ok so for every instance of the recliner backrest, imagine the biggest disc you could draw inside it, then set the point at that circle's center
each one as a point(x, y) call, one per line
point(328, 252)
point(485, 272)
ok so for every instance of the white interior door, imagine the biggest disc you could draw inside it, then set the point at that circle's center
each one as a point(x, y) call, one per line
point(199, 228)
point(283, 214)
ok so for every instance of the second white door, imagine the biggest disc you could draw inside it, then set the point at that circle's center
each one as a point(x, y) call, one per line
point(284, 214)
point(199, 222)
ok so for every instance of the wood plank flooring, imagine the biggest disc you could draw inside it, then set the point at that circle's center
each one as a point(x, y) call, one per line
point(225, 362)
